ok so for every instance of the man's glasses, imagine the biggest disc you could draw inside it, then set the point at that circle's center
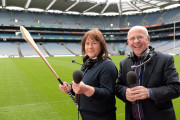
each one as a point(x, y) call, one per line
point(138, 37)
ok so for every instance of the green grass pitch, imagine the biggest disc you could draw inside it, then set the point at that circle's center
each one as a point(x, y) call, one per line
point(29, 90)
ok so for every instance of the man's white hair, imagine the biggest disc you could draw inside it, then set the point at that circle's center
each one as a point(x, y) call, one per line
point(139, 27)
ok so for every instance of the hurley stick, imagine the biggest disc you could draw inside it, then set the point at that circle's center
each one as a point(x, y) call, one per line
point(30, 41)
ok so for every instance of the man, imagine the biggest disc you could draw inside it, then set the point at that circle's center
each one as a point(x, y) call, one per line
point(157, 80)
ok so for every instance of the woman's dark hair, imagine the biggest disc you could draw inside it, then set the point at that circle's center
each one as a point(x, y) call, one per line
point(95, 35)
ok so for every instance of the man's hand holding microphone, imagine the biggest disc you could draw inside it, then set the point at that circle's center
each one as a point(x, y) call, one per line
point(135, 92)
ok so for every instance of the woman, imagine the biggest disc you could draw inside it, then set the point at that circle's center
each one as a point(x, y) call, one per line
point(97, 88)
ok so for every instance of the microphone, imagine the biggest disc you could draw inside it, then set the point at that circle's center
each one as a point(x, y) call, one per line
point(77, 77)
point(73, 61)
point(131, 78)
point(136, 66)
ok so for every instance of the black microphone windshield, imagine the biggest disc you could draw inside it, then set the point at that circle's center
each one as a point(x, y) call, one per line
point(73, 61)
point(77, 76)
point(131, 78)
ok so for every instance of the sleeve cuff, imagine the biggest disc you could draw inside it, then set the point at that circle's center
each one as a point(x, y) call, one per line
point(150, 94)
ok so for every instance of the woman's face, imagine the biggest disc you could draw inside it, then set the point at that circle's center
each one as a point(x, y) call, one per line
point(92, 47)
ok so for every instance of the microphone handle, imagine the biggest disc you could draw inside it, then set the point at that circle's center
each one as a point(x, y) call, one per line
point(133, 85)
point(76, 98)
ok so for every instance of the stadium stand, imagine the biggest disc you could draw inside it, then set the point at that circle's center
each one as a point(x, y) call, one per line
point(27, 50)
point(60, 34)
point(57, 49)
point(8, 49)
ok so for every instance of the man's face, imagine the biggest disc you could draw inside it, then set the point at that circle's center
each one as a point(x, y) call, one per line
point(138, 41)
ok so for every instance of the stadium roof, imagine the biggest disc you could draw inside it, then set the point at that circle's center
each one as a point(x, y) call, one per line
point(96, 7)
